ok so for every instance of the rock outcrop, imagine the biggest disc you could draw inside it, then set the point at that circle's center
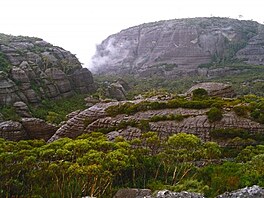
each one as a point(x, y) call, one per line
point(175, 48)
point(11, 130)
point(194, 121)
point(183, 194)
point(214, 89)
point(117, 91)
point(32, 69)
point(27, 128)
point(248, 192)
point(133, 193)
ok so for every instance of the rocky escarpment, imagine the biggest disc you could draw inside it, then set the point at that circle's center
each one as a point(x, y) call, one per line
point(193, 121)
point(177, 47)
point(32, 69)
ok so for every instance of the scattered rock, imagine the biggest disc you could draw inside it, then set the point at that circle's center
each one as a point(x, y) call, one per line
point(39, 70)
point(133, 193)
point(184, 194)
point(248, 192)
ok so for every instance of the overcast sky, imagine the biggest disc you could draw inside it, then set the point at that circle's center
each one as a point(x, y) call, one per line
point(78, 25)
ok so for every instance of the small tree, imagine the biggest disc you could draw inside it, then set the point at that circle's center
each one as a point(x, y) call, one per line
point(214, 114)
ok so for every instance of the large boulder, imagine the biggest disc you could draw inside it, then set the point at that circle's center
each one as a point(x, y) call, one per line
point(38, 129)
point(117, 91)
point(214, 89)
point(12, 130)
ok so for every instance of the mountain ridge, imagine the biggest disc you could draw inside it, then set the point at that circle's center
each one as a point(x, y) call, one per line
point(178, 46)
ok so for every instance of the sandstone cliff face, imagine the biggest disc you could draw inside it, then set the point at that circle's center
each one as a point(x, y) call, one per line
point(178, 47)
point(32, 69)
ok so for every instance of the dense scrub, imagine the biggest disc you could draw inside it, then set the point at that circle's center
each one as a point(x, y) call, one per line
point(92, 165)
point(53, 111)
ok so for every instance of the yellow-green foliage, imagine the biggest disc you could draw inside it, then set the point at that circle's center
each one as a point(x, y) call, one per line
point(91, 165)
point(55, 111)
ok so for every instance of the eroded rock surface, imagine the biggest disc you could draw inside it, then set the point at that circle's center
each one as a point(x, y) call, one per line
point(27, 128)
point(248, 192)
point(175, 48)
point(132, 193)
point(34, 69)
point(195, 121)
point(214, 89)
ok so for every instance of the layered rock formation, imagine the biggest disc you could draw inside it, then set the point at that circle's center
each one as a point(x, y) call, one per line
point(32, 69)
point(214, 89)
point(177, 47)
point(27, 128)
point(194, 121)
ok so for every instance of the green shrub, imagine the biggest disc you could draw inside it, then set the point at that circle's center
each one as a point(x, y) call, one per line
point(200, 94)
point(4, 63)
point(55, 111)
point(176, 117)
point(240, 110)
point(214, 114)
point(9, 113)
point(229, 133)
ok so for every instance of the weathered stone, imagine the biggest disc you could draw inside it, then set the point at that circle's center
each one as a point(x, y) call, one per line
point(8, 90)
point(22, 109)
point(175, 48)
point(38, 129)
point(248, 192)
point(83, 80)
point(184, 194)
point(11, 130)
point(117, 91)
point(19, 75)
point(60, 79)
point(195, 122)
point(133, 193)
point(40, 70)
point(214, 89)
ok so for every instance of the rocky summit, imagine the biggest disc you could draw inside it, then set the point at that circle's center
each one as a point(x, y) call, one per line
point(32, 69)
point(176, 48)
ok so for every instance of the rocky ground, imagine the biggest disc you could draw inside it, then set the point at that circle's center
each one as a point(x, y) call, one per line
point(248, 192)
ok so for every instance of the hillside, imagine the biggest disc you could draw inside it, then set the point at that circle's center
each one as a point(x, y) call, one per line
point(175, 54)
point(32, 69)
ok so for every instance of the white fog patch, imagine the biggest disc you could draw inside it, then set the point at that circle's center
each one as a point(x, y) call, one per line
point(109, 54)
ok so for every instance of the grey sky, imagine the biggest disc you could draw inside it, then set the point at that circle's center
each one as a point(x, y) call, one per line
point(78, 25)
